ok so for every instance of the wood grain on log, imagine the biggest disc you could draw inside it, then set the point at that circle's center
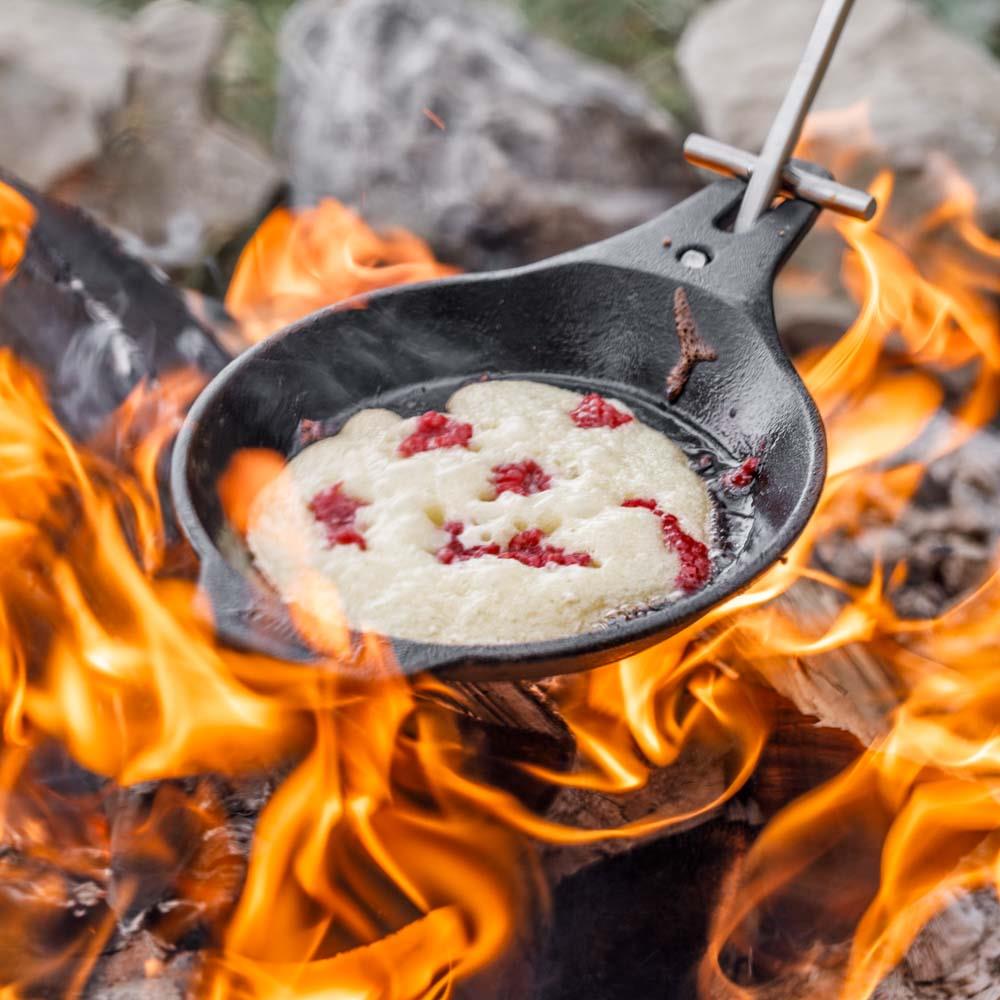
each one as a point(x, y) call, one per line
point(846, 688)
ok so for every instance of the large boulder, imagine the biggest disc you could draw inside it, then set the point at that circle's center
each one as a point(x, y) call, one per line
point(113, 115)
point(62, 71)
point(451, 118)
point(926, 91)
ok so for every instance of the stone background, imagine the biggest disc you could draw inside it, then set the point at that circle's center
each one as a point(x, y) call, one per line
point(180, 123)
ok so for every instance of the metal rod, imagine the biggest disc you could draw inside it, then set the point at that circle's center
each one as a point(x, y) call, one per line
point(787, 124)
point(723, 158)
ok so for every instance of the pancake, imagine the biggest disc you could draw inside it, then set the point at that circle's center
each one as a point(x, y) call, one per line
point(524, 512)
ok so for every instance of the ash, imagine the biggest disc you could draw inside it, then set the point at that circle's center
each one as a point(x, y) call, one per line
point(946, 536)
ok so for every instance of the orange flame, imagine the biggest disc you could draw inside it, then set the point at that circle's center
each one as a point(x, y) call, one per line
point(879, 390)
point(924, 796)
point(17, 217)
point(300, 261)
point(380, 868)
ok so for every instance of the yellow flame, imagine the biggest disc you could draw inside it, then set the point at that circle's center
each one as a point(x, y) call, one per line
point(17, 217)
point(926, 793)
point(300, 261)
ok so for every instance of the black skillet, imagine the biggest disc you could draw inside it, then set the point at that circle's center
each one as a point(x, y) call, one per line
point(599, 318)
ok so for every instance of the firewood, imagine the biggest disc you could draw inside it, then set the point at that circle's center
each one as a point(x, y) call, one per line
point(505, 723)
point(143, 968)
point(93, 319)
point(955, 957)
point(847, 688)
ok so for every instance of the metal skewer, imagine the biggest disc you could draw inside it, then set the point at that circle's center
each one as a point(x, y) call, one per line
point(736, 162)
point(771, 170)
point(788, 122)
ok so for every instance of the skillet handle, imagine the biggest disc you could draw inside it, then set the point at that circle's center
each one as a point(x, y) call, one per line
point(741, 267)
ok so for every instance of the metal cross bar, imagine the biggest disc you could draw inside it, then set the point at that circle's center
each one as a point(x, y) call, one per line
point(796, 181)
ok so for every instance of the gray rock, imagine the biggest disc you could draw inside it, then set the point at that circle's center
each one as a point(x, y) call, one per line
point(450, 118)
point(127, 130)
point(929, 92)
point(976, 19)
point(63, 70)
point(176, 179)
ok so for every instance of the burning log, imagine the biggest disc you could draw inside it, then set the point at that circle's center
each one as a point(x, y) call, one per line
point(505, 723)
point(143, 969)
point(93, 319)
point(847, 687)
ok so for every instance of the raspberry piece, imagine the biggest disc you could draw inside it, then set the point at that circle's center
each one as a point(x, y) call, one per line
point(525, 477)
point(435, 430)
point(526, 547)
point(336, 510)
point(596, 411)
point(695, 563)
point(696, 566)
point(645, 504)
point(455, 551)
point(741, 478)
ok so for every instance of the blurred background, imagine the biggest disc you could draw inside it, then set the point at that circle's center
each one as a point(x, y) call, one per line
point(499, 132)
point(639, 36)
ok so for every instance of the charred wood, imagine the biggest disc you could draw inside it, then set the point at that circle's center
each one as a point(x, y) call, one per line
point(93, 319)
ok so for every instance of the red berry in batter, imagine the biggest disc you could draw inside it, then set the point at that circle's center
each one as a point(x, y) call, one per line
point(596, 411)
point(645, 504)
point(336, 510)
point(526, 547)
point(696, 566)
point(525, 477)
point(435, 430)
point(455, 551)
point(741, 478)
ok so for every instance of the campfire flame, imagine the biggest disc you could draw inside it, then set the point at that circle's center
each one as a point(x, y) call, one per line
point(17, 216)
point(380, 866)
point(298, 262)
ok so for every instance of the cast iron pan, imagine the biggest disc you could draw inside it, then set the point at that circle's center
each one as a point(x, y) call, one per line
point(600, 318)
